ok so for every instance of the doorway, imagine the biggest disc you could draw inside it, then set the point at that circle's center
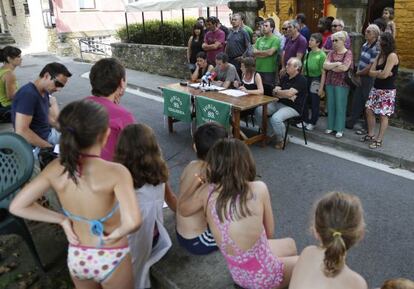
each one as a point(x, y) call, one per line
point(313, 10)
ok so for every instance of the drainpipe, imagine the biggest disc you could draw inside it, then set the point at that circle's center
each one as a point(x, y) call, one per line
point(3, 16)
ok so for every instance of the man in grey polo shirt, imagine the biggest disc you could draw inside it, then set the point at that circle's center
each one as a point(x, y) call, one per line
point(225, 72)
point(238, 42)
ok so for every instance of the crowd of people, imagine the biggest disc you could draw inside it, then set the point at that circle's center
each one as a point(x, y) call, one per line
point(323, 57)
point(111, 179)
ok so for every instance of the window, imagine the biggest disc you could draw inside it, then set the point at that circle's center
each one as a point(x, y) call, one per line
point(12, 7)
point(26, 8)
point(87, 4)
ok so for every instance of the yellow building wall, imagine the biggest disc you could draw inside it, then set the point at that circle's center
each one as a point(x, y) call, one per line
point(404, 21)
point(287, 10)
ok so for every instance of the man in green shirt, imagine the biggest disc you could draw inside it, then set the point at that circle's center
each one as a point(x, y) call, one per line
point(265, 50)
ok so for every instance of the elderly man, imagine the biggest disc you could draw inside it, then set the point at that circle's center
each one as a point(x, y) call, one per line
point(296, 45)
point(291, 96)
point(337, 25)
point(225, 71)
point(214, 40)
point(238, 42)
point(35, 111)
point(369, 52)
point(265, 50)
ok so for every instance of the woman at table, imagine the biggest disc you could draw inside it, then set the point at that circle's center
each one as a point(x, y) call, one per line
point(251, 82)
point(202, 67)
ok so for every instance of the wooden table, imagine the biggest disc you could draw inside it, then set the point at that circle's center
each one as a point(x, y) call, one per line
point(238, 104)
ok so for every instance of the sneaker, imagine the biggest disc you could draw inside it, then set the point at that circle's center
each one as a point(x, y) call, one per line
point(339, 134)
point(328, 131)
point(299, 124)
point(310, 126)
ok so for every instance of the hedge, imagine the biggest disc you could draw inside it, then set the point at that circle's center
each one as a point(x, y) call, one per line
point(169, 33)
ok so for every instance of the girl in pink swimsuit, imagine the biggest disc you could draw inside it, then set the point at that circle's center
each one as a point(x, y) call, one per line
point(239, 213)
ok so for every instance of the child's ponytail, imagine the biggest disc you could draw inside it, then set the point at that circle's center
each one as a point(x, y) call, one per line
point(335, 254)
point(339, 222)
point(81, 123)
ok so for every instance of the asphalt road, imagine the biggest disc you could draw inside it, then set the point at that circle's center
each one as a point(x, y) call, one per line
point(296, 178)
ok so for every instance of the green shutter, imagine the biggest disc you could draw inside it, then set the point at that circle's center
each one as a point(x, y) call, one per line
point(209, 110)
point(177, 104)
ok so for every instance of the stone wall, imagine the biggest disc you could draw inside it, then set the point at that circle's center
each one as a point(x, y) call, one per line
point(404, 21)
point(157, 59)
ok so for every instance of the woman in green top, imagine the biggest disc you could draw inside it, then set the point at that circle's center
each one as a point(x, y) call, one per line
point(313, 70)
point(11, 57)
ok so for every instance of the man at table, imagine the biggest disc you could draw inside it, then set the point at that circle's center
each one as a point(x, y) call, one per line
point(290, 97)
point(226, 73)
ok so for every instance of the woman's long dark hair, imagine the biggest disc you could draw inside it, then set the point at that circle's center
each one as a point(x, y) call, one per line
point(201, 28)
point(387, 44)
point(139, 151)
point(231, 167)
point(82, 124)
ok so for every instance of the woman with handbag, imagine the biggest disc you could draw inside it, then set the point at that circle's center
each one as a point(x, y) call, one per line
point(337, 64)
point(315, 76)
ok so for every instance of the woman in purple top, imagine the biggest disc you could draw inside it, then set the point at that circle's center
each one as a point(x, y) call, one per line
point(107, 78)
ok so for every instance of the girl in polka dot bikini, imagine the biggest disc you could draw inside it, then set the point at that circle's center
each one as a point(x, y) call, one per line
point(97, 196)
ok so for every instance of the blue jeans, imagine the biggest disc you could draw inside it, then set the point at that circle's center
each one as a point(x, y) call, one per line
point(314, 103)
point(277, 113)
point(361, 94)
point(53, 138)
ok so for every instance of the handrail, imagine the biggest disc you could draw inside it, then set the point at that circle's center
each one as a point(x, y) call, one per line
point(93, 47)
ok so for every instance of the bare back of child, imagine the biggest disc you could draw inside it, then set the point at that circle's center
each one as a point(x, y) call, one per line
point(192, 230)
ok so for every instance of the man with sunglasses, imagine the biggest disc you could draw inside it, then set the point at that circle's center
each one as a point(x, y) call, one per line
point(337, 25)
point(35, 110)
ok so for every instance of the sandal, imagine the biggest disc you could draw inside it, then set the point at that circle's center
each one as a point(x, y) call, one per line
point(375, 144)
point(367, 138)
point(361, 131)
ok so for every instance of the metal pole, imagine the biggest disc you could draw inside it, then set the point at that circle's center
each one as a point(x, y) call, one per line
point(162, 23)
point(182, 13)
point(126, 24)
point(208, 12)
point(143, 25)
point(216, 11)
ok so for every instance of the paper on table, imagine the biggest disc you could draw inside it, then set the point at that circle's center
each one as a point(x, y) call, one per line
point(234, 92)
point(56, 149)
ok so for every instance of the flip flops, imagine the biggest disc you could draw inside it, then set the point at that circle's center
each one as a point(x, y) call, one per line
point(369, 138)
point(375, 144)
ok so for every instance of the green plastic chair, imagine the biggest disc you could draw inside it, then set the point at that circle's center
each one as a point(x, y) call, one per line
point(16, 168)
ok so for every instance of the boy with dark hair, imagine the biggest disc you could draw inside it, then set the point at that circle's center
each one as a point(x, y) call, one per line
point(107, 78)
point(35, 110)
point(192, 232)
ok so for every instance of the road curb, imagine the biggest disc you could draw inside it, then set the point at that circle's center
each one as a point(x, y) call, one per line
point(348, 145)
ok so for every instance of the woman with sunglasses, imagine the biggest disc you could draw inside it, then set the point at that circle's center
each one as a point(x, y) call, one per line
point(11, 58)
point(336, 65)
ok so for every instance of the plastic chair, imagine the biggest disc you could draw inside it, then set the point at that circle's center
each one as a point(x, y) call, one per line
point(295, 120)
point(16, 168)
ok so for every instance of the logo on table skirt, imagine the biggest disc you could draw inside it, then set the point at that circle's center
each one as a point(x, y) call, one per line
point(176, 105)
point(211, 111)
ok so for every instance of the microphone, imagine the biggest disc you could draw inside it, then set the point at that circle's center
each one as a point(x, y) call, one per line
point(212, 76)
point(205, 78)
